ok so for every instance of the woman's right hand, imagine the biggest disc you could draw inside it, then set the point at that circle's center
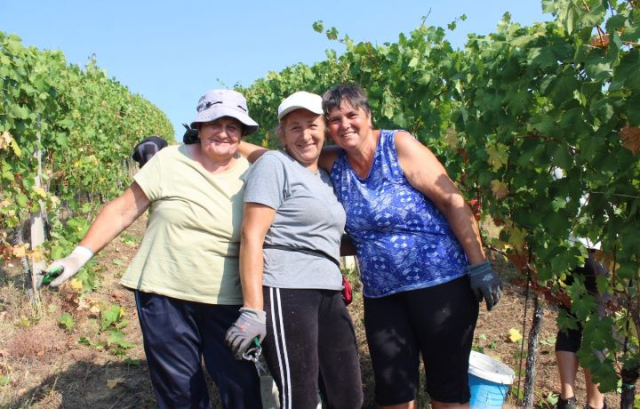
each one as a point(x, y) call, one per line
point(70, 265)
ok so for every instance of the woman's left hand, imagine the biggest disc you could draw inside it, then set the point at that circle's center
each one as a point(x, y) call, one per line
point(485, 283)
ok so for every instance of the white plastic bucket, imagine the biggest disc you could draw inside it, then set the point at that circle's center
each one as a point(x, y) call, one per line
point(489, 381)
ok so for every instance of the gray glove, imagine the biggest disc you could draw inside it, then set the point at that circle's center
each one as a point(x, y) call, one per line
point(252, 323)
point(485, 283)
point(70, 264)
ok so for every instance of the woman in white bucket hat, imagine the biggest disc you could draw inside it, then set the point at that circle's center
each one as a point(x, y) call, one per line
point(185, 274)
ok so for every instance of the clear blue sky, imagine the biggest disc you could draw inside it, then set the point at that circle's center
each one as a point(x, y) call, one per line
point(171, 52)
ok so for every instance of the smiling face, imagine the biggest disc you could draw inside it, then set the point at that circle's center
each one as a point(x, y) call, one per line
point(219, 139)
point(302, 133)
point(348, 126)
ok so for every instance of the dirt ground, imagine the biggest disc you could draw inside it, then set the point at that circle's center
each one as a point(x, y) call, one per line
point(43, 365)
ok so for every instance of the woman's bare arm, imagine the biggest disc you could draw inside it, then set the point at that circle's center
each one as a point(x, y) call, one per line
point(256, 222)
point(425, 173)
point(328, 155)
point(250, 151)
point(115, 217)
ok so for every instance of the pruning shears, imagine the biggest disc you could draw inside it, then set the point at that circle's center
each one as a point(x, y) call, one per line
point(253, 354)
point(51, 274)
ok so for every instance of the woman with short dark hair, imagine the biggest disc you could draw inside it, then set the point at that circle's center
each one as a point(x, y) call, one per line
point(421, 259)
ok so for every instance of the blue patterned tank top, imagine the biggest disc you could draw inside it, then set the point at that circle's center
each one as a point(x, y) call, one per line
point(402, 240)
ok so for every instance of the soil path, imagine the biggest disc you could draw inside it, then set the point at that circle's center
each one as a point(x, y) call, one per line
point(43, 365)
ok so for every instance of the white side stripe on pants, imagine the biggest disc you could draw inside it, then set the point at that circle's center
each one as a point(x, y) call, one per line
point(283, 356)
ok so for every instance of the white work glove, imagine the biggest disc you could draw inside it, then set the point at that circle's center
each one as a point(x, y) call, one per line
point(70, 265)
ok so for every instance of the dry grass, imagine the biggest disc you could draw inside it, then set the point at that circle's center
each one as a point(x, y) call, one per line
point(42, 365)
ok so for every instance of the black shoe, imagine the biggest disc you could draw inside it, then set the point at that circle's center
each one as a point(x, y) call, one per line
point(570, 403)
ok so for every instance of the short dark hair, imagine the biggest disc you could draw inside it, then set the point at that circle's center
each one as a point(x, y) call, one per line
point(352, 93)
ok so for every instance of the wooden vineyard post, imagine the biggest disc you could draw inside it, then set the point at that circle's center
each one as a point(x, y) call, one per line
point(37, 232)
point(630, 375)
point(532, 354)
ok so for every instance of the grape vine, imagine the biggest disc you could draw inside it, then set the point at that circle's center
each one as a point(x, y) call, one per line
point(85, 125)
point(506, 115)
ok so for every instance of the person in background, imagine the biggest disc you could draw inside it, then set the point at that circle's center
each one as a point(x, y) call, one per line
point(568, 341)
point(289, 267)
point(185, 274)
point(421, 259)
point(149, 146)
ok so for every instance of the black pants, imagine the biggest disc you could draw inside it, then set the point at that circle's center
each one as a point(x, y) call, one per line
point(177, 335)
point(568, 339)
point(435, 322)
point(309, 333)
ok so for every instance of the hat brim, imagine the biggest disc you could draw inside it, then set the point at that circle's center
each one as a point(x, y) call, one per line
point(216, 112)
point(290, 109)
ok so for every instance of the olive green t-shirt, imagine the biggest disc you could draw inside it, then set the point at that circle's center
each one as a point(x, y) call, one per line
point(191, 245)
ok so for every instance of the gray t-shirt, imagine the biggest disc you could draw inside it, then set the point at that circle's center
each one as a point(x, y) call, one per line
point(308, 216)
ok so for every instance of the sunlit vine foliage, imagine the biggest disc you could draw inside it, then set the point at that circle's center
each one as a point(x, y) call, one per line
point(541, 124)
point(85, 125)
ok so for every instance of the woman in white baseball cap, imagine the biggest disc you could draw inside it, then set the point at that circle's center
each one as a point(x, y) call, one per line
point(185, 274)
point(289, 267)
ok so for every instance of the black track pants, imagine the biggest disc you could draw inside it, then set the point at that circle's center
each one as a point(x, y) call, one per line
point(310, 334)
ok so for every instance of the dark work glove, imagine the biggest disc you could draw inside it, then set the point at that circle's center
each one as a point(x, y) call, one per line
point(252, 323)
point(485, 283)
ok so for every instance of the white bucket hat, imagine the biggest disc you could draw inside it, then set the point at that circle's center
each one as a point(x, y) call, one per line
point(300, 100)
point(218, 103)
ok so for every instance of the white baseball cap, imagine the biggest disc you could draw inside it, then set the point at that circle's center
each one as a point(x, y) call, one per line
point(300, 100)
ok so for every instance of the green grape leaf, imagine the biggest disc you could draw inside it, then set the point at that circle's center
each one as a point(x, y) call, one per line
point(498, 156)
